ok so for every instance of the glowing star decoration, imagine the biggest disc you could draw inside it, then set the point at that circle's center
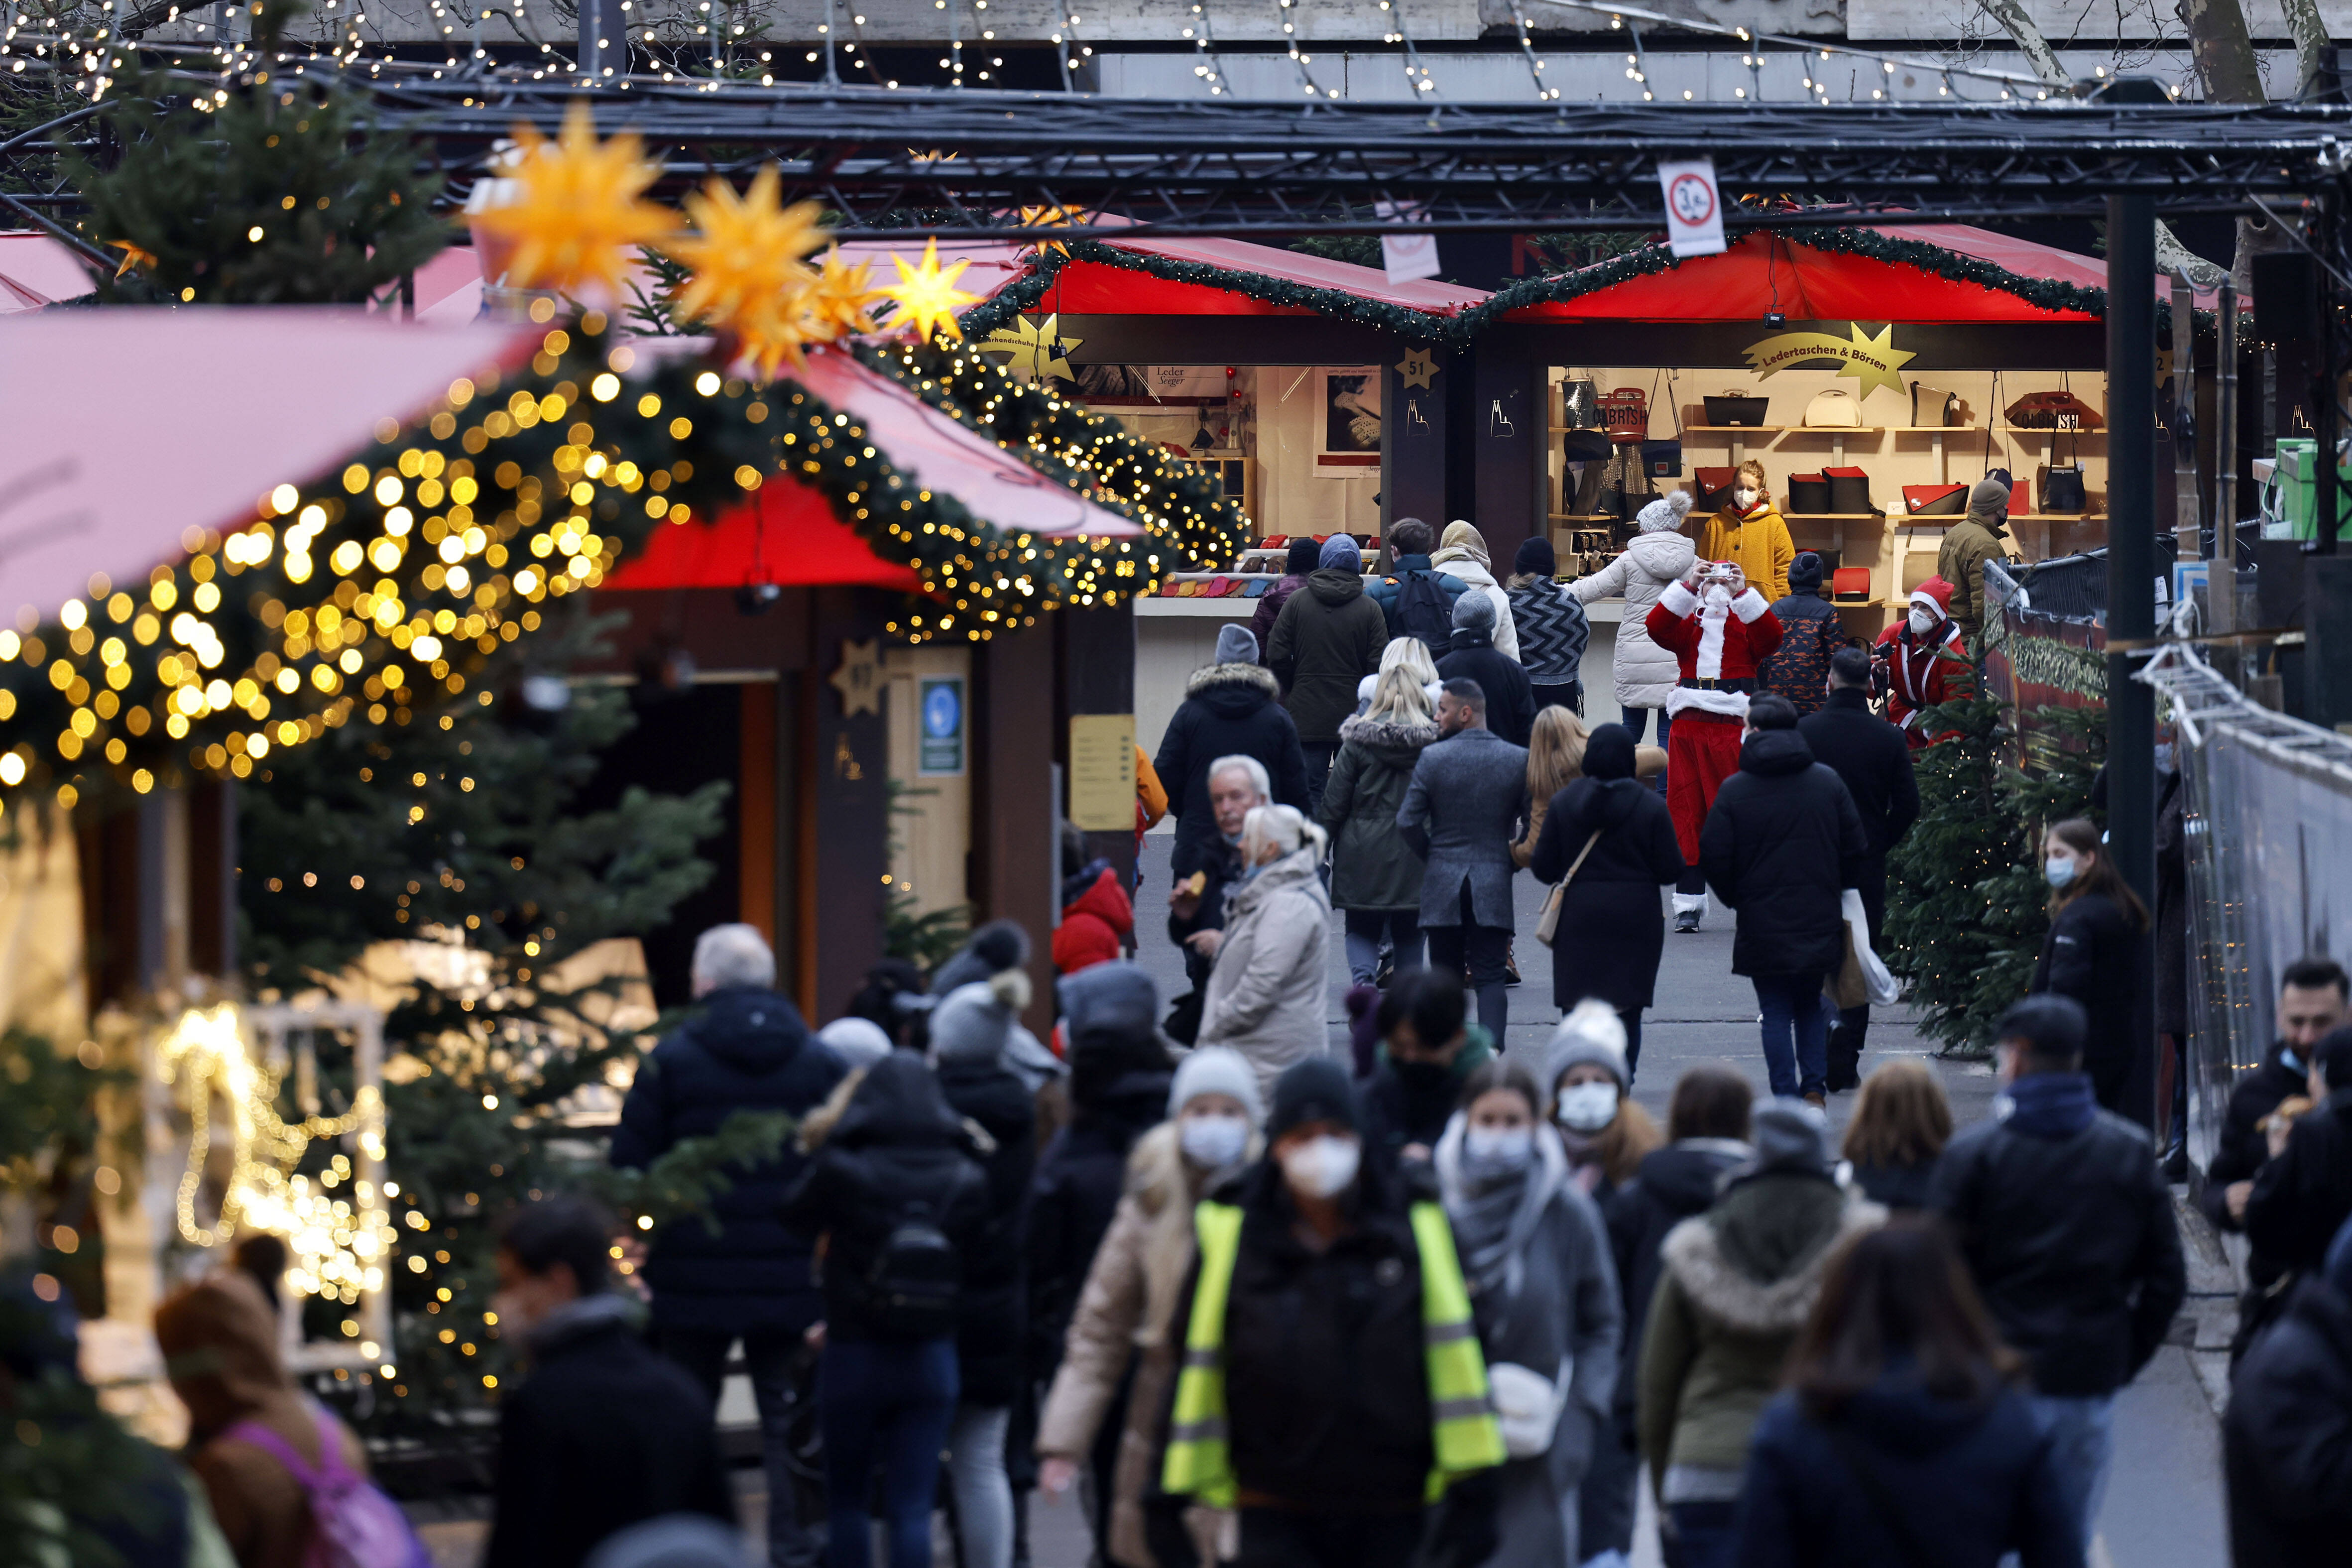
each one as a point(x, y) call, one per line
point(1051, 217)
point(842, 297)
point(748, 278)
point(927, 296)
point(1034, 349)
point(576, 217)
point(132, 256)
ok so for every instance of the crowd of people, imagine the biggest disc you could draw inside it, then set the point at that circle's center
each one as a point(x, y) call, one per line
point(1436, 1295)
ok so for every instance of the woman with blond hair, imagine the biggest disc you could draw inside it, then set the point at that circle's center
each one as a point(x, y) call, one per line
point(1556, 760)
point(1375, 875)
point(1268, 997)
point(1901, 1123)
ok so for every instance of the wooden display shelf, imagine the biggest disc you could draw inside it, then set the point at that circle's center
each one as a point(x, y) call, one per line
point(2057, 517)
point(1582, 517)
point(1830, 516)
point(1829, 429)
point(2048, 430)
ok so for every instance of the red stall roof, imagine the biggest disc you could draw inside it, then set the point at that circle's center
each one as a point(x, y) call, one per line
point(1760, 273)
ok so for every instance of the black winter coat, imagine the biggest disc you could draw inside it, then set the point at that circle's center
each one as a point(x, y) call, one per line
point(1613, 929)
point(1897, 1186)
point(1780, 842)
point(2093, 953)
point(1669, 1186)
point(2287, 1438)
point(2304, 1195)
point(993, 1313)
point(1327, 639)
point(1072, 1198)
point(1326, 1390)
point(1229, 709)
point(602, 1434)
point(897, 1152)
point(2072, 1241)
point(1873, 759)
point(2244, 1149)
point(747, 1050)
point(1510, 699)
point(1977, 1480)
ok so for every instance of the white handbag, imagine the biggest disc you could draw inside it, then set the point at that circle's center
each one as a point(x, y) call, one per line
point(1877, 980)
point(1833, 409)
point(1527, 1405)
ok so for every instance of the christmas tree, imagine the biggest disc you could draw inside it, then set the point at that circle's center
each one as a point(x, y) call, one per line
point(1967, 906)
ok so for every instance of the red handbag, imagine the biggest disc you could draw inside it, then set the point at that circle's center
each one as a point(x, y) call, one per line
point(1712, 488)
point(1936, 500)
point(2052, 411)
point(1626, 414)
point(1851, 585)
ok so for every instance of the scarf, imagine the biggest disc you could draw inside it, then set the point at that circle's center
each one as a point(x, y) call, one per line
point(1494, 1223)
point(2049, 1104)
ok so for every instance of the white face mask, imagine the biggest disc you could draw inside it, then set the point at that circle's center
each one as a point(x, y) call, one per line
point(1588, 1107)
point(1744, 498)
point(2058, 871)
point(1212, 1142)
point(1322, 1167)
point(1921, 621)
point(1497, 1150)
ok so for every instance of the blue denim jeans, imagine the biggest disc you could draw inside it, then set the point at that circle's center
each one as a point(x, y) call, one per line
point(2081, 1430)
point(1706, 1535)
point(1792, 1003)
point(886, 1404)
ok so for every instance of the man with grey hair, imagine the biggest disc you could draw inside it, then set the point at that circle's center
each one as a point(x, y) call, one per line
point(744, 1276)
point(1206, 873)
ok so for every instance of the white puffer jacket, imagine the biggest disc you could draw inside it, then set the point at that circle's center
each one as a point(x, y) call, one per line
point(1462, 565)
point(1645, 672)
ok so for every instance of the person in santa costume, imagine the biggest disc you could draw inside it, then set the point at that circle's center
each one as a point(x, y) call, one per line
point(1926, 662)
point(1718, 629)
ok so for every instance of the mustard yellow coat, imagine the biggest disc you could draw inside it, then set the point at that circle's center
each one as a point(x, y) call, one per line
point(1758, 542)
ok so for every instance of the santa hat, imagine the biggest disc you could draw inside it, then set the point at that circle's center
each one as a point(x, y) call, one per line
point(1934, 596)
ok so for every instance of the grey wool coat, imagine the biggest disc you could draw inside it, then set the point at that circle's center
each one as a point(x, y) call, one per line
point(1372, 868)
point(1462, 811)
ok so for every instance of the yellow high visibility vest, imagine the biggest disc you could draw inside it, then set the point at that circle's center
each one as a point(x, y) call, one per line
point(1200, 1462)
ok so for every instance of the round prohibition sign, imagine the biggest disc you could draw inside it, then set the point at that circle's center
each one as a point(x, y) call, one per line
point(1691, 199)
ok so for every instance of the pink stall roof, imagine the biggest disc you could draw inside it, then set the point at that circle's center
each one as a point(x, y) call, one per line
point(128, 430)
point(35, 270)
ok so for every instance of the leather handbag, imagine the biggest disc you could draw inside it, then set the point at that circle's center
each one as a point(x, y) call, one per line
point(1849, 491)
point(1626, 414)
point(1663, 460)
point(1936, 500)
point(1711, 488)
point(1809, 494)
point(1548, 922)
point(1832, 410)
point(1932, 407)
point(1851, 585)
point(2051, 411)
point(1579, 403)
point(1735, 408)
point(2062, 488)
point(1585, 445)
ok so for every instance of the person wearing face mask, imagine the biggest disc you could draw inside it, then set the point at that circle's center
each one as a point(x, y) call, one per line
point(1544, 1294)
point(1751, 533)
point(2097, 951)
point(1927, 662)
point(2068, 1229)
point(570, 1474)
point(1718, 628)
point(1428, 1050)
point(1605, 1134)
point(1124, 1316)
point(1268, 994)
point(1332, 1384)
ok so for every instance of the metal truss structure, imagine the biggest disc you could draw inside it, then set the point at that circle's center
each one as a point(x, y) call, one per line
point(964, 164)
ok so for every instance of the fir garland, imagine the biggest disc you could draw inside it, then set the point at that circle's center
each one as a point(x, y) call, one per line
point(1414, 326)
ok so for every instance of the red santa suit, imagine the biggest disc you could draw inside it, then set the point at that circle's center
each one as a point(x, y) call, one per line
point(1925, 668)
point(1718, 642)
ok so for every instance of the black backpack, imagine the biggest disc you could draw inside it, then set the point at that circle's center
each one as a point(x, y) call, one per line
point(1421, 611)
point(916, 1279)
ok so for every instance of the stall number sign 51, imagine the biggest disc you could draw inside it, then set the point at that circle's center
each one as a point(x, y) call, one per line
point(1693, 207)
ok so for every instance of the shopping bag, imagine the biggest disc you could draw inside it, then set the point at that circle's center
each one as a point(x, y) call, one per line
point(1878, 982)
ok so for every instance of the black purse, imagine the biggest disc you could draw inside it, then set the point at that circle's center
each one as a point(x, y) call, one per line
point(1663, 459)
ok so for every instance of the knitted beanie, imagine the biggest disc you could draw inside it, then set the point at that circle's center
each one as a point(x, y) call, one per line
point(1667, 512)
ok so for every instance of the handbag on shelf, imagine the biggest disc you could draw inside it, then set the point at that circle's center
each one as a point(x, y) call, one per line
point(1809, 494)
point(1626, 414)
point(1711, 488)
point(1735, 408)
point(1851, 585)
point(1585, 445)
point(1849, 491)
point(2062, 489)
point(2052, 411)
point(1579, 403)
point(1932, 407)
point(1833, 410)
point(1936, 500)
point(1548, 922)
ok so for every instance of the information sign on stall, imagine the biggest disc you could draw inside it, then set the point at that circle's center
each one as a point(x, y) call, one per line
point(939, 753)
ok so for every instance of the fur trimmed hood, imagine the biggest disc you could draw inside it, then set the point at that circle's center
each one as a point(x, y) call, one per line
point(1397, 745)
point(1220, 678)
point(1720, 1290)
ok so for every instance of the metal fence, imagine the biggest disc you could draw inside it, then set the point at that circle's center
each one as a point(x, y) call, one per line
point(2268, 820)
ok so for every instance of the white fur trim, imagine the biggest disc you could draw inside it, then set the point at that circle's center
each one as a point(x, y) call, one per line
point(1750, 604)
point(1678, 599)
point(1708, 661)
point(1926, 601)
point(1723, 704)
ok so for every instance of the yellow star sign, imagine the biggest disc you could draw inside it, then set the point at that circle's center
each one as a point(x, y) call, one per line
point(1051, 217)
point(748, 278)
point(576, 217)
point(859, 679)
point(926, 294)
point(1034, 349)
point(1875, 361)
point(1417, 368)
point(843, 296)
